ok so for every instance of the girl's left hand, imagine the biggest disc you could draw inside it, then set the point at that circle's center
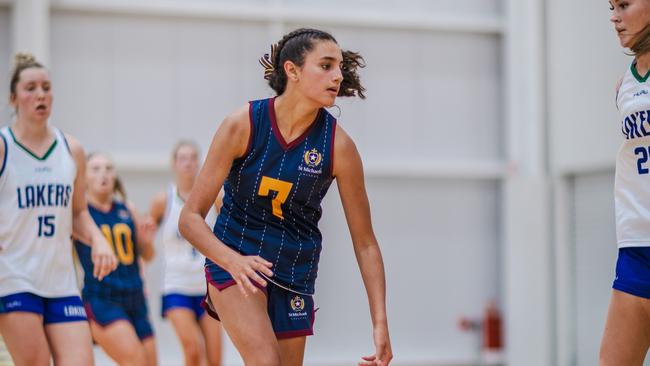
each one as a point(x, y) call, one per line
point(383, 352)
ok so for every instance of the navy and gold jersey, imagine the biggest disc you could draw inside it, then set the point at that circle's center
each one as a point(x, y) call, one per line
point(273, 195)
point(119, 229)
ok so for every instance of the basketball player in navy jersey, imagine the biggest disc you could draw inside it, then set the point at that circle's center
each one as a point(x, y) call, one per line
point(116, 306)
point(627, 331)
point(184, 275)
point(42, 204)
point(275, 159)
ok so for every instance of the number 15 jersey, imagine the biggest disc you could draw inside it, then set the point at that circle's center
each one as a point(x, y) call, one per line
point(36, 219)
point(273, 194)
point(632, 183)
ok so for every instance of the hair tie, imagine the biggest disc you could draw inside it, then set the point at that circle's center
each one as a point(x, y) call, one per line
point(268, 61)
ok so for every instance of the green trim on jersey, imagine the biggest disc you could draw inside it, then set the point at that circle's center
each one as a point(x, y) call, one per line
point(47, 153)
point(639, 78)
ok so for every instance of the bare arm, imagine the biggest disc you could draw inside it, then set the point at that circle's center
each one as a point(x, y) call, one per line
point(83, 226)
point(349, 176)
point(158, 207)
point(229, 143)
point(145, 232)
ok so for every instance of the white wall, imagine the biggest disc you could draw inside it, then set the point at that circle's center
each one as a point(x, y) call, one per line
point(406, 6)
point(584, 65)
point(132, 84)
point(440, 248)
point(428, 100)
point(5, 64)
point(435, 99)
point(125, 80)
point(594, 258)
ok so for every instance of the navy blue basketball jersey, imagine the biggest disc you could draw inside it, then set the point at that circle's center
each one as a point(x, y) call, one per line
point(118, 228)
point(273, 195)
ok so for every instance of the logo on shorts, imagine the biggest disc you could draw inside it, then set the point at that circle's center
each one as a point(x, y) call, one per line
point(13, 304)
point(298, 303)
point(74, 311)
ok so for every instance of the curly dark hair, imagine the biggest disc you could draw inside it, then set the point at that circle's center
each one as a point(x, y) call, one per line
point(294, 46)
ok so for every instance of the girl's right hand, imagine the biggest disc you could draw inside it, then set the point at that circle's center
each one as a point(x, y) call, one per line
point(103, 258)
point(244, 269)
point(383, 353)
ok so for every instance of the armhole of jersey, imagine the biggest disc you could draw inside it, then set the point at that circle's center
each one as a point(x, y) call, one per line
point(211, 217)
point(252, 131)
point(332, 147)
point(168, 205)
point(4, 159)
point(67, 146)
point(134, 235)
point(618, 88)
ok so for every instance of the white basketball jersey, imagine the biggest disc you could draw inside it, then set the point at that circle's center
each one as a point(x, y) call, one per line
point(184, 265)
point(632, 184)
point(36, 219)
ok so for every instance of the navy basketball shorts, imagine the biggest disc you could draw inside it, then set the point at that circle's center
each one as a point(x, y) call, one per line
point(189, 302)
point(132, 308)
point(291, 314)
point(633, 271)
point(53, 309)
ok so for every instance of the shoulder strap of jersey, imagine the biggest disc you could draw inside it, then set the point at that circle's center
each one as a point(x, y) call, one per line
point(332, 140)
point(3, 164)
point(61, 136)
point(6, 133)
point(171, 195)
point(256, 112)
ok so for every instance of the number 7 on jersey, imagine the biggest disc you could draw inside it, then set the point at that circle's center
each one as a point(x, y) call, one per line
point(281, 187)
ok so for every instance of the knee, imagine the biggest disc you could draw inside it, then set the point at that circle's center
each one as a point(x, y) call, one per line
point(214, 360)
point(264, 359)
point(78, 356)
point(192, 352)
point(135, 356)
point(214, 355)
point(39, 357)
point(72, 360)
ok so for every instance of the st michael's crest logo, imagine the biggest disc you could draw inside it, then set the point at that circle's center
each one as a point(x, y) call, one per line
point(297, 303)
point(313, 158)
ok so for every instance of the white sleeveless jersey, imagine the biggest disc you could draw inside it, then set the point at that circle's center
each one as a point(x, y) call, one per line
point(36, 219)
point(632, 184)
point(184, 265)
